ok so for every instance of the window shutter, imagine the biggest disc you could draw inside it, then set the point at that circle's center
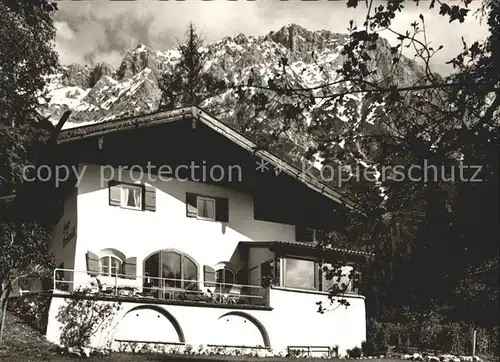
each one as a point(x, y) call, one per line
point(209, 276)
point(222, 209)
point(92, 263)
point(114, 194)
point(130, 268)
point(191, 205)
point(149, 198)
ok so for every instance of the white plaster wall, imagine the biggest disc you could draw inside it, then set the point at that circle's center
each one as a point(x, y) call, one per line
point(293, 322)
point(296, 316)
point(66, 253)
point(294, 319)
point(140, 233)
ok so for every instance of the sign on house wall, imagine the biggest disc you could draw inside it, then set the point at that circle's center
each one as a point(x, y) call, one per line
point(69, 233)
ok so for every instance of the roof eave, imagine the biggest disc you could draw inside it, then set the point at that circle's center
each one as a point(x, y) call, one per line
point(295, 245)
point(198, 114)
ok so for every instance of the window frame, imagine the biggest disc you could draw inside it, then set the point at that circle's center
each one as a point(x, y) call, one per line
point(309, 234)
point(110, 273)
point(224, 270)
point(350, 286)
point(316, 234)
point(123, 201)
point(205, 198)
point(273, 267)
point(317, 273)
point(183, 281)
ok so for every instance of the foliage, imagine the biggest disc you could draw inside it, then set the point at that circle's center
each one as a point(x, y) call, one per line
point(188, 83)
point(429, 234)
point(27, 57)
point(441, 122)
point(23, 343)
point(355, 352)
point(33, 309)
point(192, 82)
point(427, 332)
point(23, 255)
point(82, 317)
point(179, 352)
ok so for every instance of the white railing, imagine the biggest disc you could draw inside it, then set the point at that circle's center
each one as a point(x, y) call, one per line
point(141, 286)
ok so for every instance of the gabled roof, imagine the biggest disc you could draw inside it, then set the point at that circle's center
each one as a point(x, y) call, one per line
point(195, 114)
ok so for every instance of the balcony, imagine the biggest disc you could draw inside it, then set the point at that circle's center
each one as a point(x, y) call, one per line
point(161, 290)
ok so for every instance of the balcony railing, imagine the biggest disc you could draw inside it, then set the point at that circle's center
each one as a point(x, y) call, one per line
point(148, 287)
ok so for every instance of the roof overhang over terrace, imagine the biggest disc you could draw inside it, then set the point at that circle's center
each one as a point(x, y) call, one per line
point(195, 115)
point(307, 250)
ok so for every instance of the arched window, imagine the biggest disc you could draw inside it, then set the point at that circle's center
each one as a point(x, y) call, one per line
point(225, 276)
point(171, 269)
point(110, 265)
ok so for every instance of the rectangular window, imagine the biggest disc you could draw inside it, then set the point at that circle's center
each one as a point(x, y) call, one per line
point(342, 279)
point(131, 197)
point(308, 274)
point(206, 208)
point(103, 267)
point(301, 274)
point(326, 284)
point(309, 235)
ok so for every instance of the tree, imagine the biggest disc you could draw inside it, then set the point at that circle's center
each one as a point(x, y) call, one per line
point(188, 83)
point(24, 254)
point(447, 224)
point(27, 56)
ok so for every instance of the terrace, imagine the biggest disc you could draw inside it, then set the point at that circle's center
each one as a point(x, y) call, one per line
point(173, 277)
point(160, 290)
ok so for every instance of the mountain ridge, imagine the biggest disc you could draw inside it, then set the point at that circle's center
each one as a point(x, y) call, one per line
point(101, 93)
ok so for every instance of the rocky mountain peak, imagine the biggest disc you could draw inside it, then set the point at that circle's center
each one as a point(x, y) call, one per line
point(142, 57)
point(141, 47)
point(100, 70)
point(75, 75)
point(300, 40)
point(99, 94)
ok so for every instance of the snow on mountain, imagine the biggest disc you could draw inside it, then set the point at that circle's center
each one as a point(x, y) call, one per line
point(101, 93)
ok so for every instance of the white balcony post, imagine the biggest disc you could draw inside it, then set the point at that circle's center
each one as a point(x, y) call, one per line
point(54, 279)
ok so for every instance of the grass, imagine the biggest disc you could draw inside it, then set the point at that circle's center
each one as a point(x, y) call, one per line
point(22, 343)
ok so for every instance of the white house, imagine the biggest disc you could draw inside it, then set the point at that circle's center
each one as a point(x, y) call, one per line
point(202, 237)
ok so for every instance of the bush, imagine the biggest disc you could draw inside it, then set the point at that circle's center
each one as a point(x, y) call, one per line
point(33, 309)
point(355, 352)
point(427, 332)
point(82, 317)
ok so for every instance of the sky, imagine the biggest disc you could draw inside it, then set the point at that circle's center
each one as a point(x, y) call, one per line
point(93, 31)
